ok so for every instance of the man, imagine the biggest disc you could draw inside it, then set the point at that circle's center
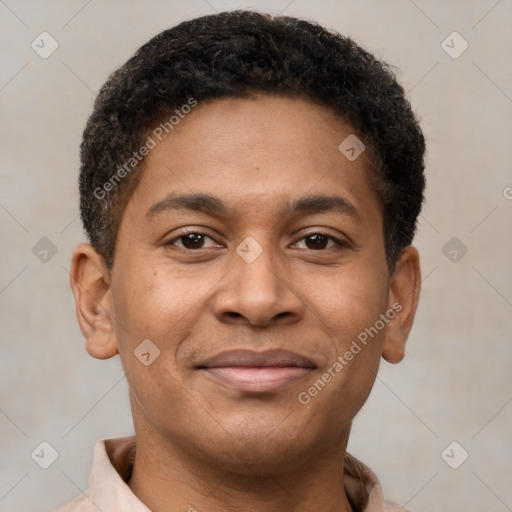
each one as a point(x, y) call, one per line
point(250, 187)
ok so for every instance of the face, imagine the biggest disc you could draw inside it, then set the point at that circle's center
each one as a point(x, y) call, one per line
point(251, 255)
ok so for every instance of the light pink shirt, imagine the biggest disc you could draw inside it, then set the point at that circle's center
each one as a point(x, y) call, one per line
point(113, 463)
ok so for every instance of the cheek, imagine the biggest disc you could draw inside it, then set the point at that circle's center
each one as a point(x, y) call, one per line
point(351, 309)
point(347, 302)
point(151, 313)
point(156, 302)
point(148, 304)
point(346, 311)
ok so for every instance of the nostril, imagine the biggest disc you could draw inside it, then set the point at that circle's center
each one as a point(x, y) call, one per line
point(234, 314)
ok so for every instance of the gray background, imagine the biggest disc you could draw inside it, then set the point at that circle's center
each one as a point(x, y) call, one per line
point(455, 383)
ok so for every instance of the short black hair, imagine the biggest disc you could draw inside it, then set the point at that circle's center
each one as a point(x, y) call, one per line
point(237, 54)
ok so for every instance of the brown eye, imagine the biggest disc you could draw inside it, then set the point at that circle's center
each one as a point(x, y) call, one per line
point(193, 241)
point(319, 241)
point(190, 240)
point(316, 241)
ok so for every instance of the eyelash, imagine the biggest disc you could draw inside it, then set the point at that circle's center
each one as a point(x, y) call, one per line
point(340, 243)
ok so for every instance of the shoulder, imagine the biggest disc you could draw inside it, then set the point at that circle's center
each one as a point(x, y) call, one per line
point(79, 504)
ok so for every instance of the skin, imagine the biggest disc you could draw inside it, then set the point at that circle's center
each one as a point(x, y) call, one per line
point(201, 443)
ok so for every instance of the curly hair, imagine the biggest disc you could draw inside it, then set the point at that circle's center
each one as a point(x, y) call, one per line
point(234, 55)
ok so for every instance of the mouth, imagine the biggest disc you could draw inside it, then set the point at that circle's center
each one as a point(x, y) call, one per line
point(258, 372)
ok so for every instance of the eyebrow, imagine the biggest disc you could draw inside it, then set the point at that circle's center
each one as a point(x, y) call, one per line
point(214, 206)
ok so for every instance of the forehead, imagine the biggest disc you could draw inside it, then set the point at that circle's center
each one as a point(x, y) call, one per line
point(258, 155)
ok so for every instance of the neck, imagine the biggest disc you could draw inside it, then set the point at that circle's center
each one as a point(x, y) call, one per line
point(167, 478)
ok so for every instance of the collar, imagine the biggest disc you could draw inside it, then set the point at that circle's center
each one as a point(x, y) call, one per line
point(113, 464)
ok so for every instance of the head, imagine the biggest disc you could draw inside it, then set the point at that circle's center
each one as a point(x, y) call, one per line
point(249, 183)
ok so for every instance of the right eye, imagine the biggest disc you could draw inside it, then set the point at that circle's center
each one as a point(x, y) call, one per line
point(191, 240)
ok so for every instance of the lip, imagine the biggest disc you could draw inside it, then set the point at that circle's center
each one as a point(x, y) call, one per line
point(258, 372)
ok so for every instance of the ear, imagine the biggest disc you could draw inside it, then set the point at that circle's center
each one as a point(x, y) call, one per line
point(404, 292)
point(90, 283)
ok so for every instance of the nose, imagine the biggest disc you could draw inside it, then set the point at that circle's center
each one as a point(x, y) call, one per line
point(258, 293)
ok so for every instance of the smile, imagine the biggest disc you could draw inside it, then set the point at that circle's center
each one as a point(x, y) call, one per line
point(258, 372)
point(258, 379)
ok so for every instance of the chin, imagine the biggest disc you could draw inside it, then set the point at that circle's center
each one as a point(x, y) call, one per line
point(260, 454)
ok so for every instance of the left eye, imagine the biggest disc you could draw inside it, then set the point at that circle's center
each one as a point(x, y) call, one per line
point(316, 241)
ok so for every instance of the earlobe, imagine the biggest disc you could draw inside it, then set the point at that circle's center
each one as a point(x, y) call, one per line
point(404, 294)
point(90, 284)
